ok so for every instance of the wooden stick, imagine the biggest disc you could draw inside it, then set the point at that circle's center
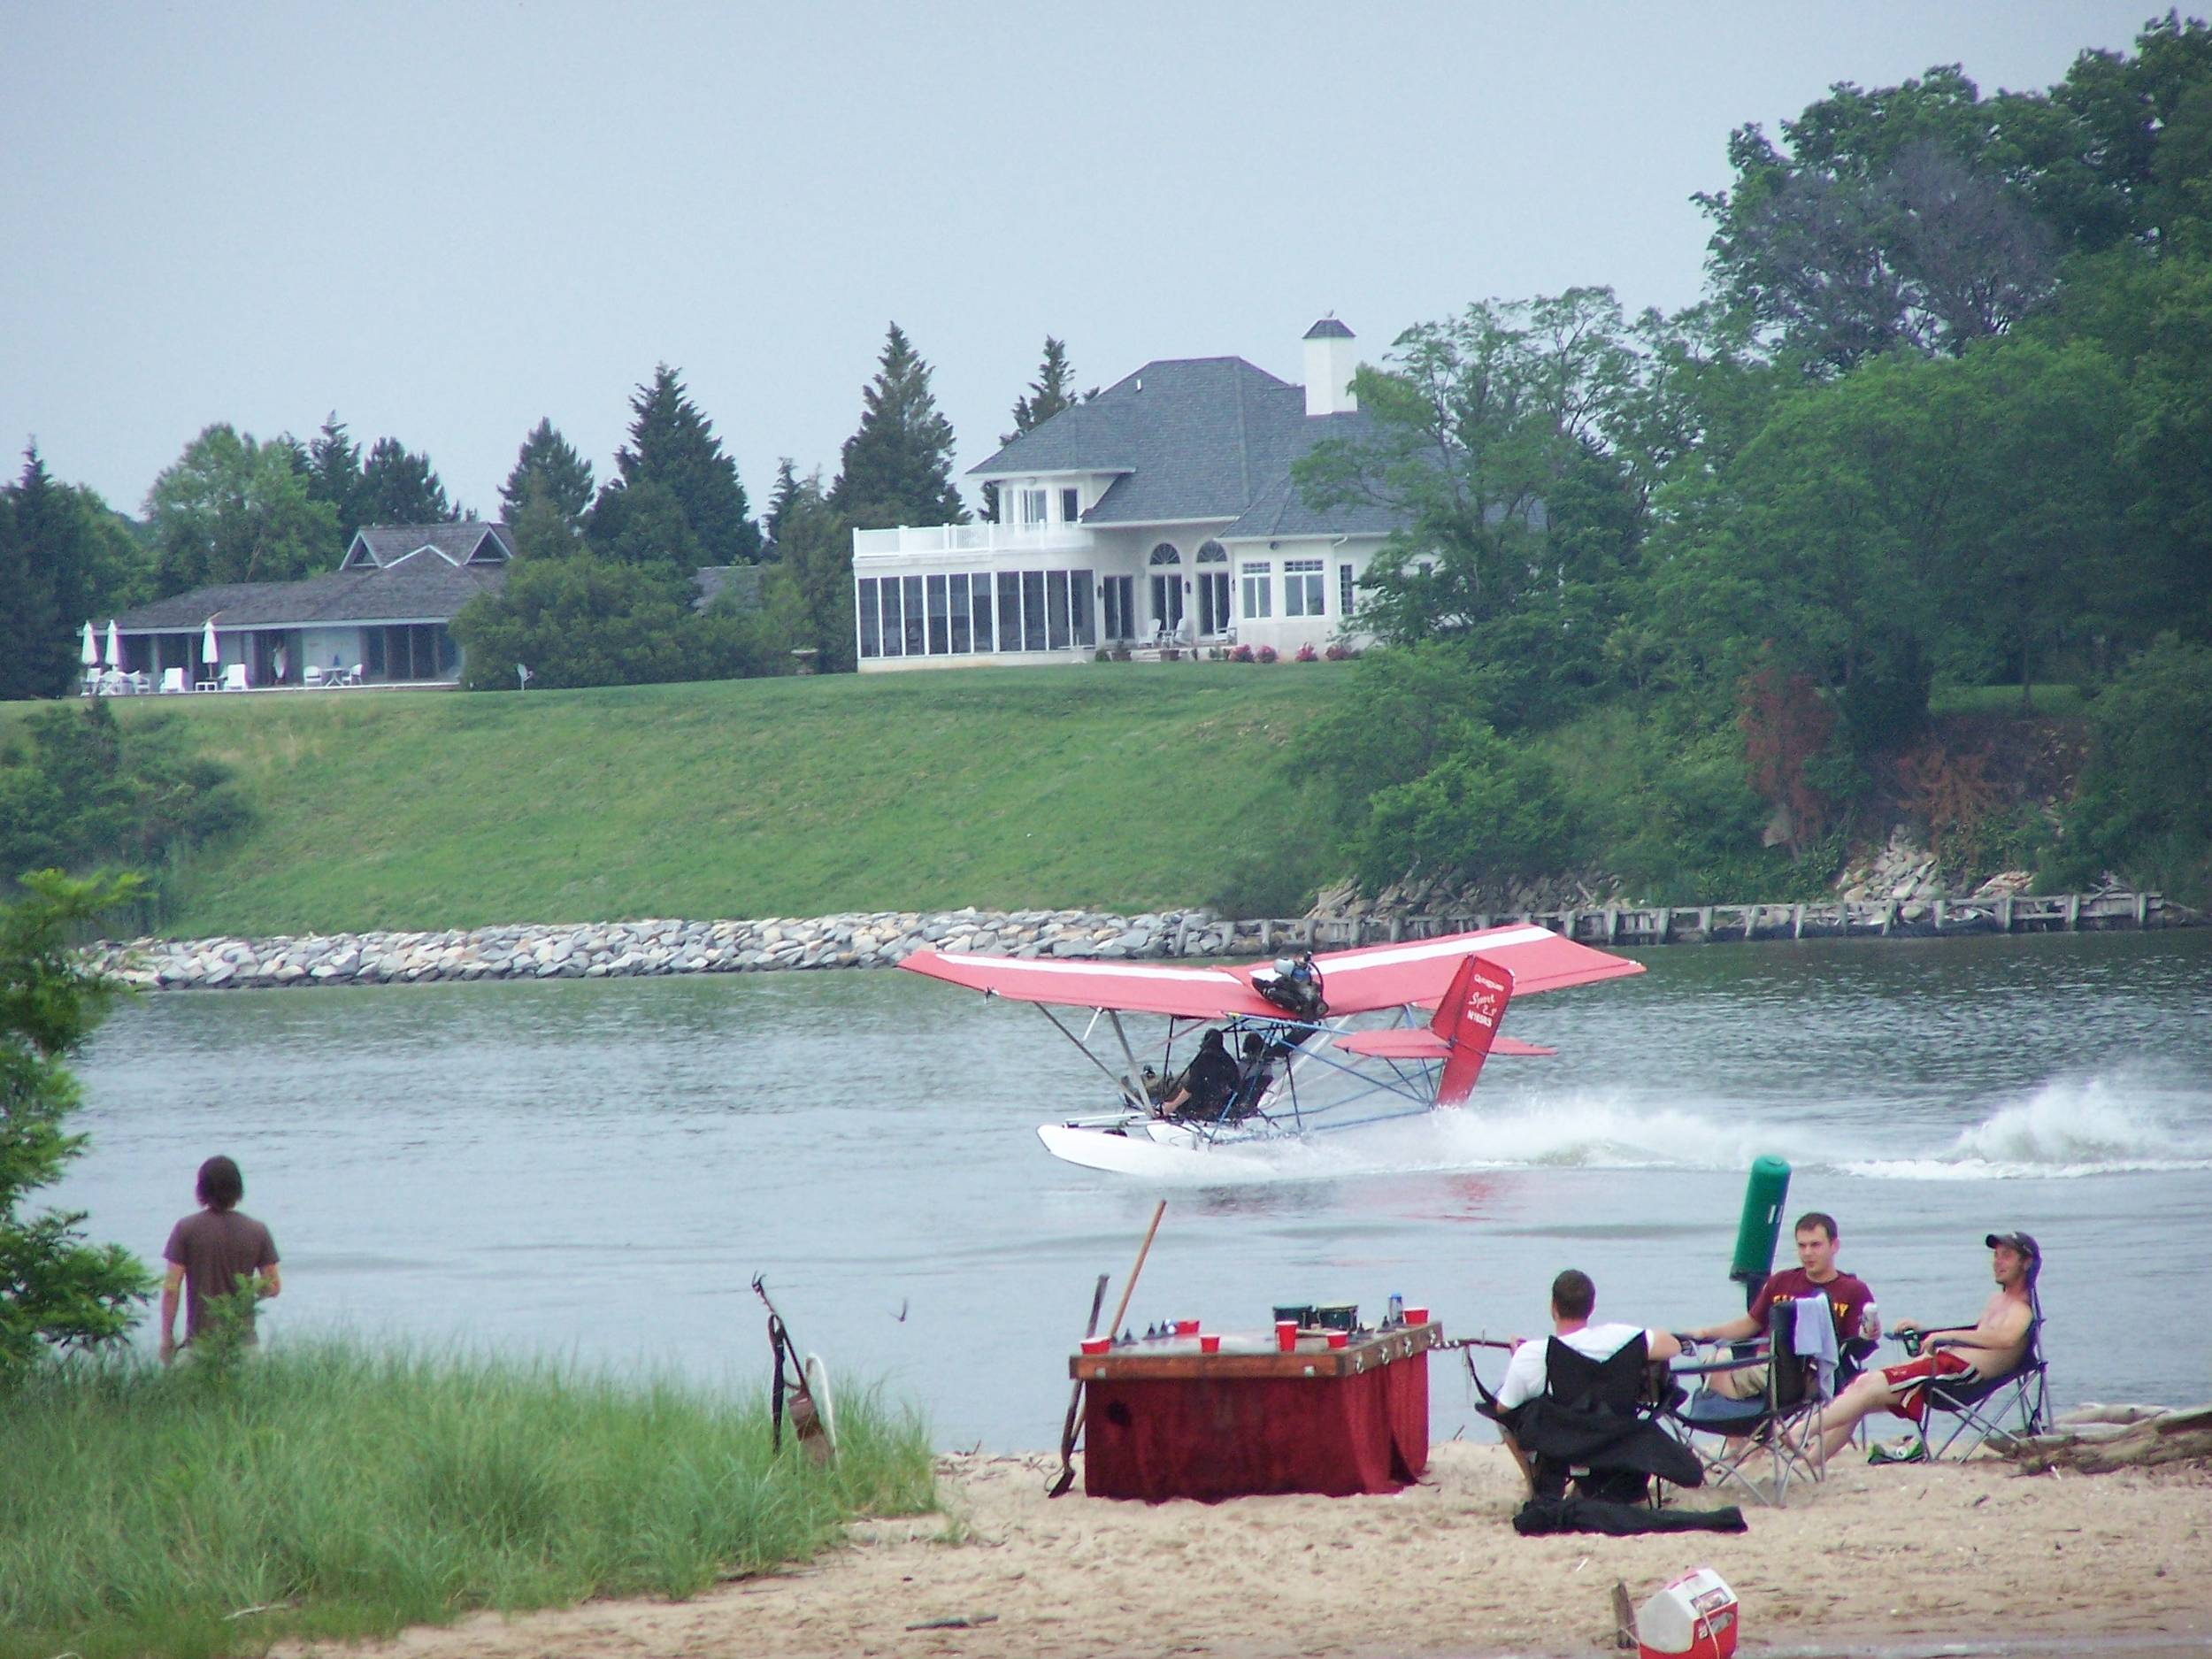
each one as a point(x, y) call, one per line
point(1066, 1476)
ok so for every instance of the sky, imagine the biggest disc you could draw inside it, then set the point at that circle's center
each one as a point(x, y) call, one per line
point(446, 220)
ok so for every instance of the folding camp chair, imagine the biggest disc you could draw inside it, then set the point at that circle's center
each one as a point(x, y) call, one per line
point(2017, 1402)
point(1596, 1425)
point(1779, 1426)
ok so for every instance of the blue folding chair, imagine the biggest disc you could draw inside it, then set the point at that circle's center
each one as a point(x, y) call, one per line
point(1779, 1426)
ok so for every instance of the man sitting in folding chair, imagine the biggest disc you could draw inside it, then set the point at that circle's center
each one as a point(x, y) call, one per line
point(1815, 1275)
point(1976, 1359)
point(1572, 1405)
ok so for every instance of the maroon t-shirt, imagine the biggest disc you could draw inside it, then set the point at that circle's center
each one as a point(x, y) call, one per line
point(214, 1247)
point(1847, 1298)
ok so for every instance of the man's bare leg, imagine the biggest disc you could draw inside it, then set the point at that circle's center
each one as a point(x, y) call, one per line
point(1865, 1396)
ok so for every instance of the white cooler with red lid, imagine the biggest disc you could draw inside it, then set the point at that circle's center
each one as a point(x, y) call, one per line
point(1693, 1615)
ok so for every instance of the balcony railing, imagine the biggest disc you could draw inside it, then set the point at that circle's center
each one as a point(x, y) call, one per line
point(982, 539)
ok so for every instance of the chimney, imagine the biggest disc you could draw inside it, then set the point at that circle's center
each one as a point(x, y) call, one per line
point(1331, 357)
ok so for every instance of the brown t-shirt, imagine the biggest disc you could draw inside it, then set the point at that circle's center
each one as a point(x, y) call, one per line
point(1847, 1298)
point(214, 1247)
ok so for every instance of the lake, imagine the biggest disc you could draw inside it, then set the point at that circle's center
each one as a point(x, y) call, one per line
point(597, 1169)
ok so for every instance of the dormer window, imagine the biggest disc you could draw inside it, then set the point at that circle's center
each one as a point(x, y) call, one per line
point(1031, 504)
point(1070, 505)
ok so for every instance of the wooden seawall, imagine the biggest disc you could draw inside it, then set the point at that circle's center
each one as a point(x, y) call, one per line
point(1710, 924)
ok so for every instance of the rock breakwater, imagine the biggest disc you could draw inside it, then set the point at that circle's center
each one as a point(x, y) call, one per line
point(619, 950)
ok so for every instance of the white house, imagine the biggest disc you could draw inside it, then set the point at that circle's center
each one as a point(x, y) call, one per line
point(1160, 511)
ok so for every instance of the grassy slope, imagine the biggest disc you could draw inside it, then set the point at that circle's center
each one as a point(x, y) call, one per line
point(1119, 786)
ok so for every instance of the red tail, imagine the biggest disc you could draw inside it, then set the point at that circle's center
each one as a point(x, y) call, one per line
point(1467, 1019)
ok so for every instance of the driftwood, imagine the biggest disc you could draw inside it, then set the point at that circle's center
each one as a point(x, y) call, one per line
point(2096, 1440)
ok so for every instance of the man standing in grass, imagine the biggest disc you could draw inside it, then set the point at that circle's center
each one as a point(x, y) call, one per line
point(214, 1254)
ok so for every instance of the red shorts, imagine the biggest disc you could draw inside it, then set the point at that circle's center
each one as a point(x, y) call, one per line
point(1910, 1380)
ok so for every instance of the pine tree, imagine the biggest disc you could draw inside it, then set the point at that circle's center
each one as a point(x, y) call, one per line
point(40, 660)
point(779, 504)
point(400, 486)
point(897, 467)
point(334, 475)
point(1049, 394)
point(816, 556)
point(673, 444)
point(561, 475)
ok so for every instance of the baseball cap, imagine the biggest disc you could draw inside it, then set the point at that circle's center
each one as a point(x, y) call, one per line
point(2020, 1241)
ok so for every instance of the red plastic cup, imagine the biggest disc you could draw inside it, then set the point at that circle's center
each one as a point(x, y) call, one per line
point(1340, 1339)
point(1287, 1335)
point(1417, 1316)
point(1209, 1344)
point(1187, 1327)
point(1097, 1344)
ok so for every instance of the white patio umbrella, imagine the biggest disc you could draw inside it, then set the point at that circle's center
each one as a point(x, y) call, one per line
point(209, 653)
point(88, 654)
point(115, 645)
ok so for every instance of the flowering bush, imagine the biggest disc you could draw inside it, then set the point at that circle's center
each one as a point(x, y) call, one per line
point(1339, 653)
point(1242, 654)
point(1307, 654)
point(1265, 654)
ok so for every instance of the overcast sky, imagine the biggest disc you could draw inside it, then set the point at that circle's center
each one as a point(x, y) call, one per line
point(446, 220)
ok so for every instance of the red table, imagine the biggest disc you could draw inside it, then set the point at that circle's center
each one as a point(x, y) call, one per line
point(1166, 1421)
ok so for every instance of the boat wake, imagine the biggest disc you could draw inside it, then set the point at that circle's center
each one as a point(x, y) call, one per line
point(2064, 1129)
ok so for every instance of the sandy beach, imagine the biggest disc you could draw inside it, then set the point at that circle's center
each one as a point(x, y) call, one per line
point(1903, 1561)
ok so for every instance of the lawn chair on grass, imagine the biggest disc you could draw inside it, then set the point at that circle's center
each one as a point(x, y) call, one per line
point(1777, 1428)
point(1991, 1408)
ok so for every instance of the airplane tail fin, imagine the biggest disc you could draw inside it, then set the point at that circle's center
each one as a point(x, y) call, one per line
point(1467, 1019)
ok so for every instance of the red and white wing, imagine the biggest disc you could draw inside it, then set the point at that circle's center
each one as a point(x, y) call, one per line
point(1361, 981)
point(1144, 987)
point(1419, 974)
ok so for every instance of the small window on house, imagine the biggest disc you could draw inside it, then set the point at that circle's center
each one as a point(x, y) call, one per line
point(1070, 505)
point(1033, 505)
point(1344, 585)
point(1258, 591)
point(1302, 587)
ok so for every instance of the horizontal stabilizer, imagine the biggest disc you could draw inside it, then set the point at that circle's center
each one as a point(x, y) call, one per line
point(1419, 1042)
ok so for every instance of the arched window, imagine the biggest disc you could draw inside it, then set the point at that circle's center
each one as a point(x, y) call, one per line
point(1167, 586)
point(1213, 589)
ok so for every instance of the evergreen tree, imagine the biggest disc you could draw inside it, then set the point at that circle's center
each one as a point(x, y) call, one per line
point(1050, 393)
point(561, 475)
point(673, 445)
point(39, 661)
point(816, 553)
point(779, 504)
point(897, 467)
point(333, 472)
point(399, 486)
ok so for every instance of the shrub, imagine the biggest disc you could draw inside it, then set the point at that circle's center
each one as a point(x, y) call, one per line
point(1338, 652)
point(1242, 654)
point(1307, 654)
point(1265, 654)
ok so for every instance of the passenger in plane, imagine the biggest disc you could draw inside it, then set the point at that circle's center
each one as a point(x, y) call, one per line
point(1207, 1083)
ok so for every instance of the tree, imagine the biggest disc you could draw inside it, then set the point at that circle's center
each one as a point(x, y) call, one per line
point(1052, 391)
point(57, 1291)
point(672, 446)
point(333, 470)
point(644, 524)
point(399, 486)
point(896, 469)
point(815, 562)
point(230, 509)
point(779, 503)
point(65, 558)
point(548, 464)
point(584, 620)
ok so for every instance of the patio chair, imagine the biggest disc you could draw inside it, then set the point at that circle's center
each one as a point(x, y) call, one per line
point(1777, 1427)
point(172, 680)
point(310, 676)
point(354, 676)
point(234, 677)
point(1985, 1407)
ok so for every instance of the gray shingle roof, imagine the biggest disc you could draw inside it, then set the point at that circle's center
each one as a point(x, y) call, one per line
point(1193, 438)
point(388, 542)
point(1329, 328)
point(416, 590)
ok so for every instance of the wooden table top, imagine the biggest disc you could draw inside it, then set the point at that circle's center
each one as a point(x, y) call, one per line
point(1244, 1355)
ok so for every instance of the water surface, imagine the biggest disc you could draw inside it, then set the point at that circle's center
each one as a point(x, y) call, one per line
point(597, 1169)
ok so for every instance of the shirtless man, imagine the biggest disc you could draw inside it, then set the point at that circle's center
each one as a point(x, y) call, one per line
point(1991, 1347)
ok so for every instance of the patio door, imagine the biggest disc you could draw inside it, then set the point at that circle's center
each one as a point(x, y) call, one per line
point(1118, 607)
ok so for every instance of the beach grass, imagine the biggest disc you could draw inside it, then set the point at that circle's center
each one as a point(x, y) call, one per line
point(1121, 786)
point(341, 1491)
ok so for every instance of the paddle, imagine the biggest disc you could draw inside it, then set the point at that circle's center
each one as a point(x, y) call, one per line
point(1066, 1476)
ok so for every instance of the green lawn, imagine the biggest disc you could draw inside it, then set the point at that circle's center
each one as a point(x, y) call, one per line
point(1117, 786)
